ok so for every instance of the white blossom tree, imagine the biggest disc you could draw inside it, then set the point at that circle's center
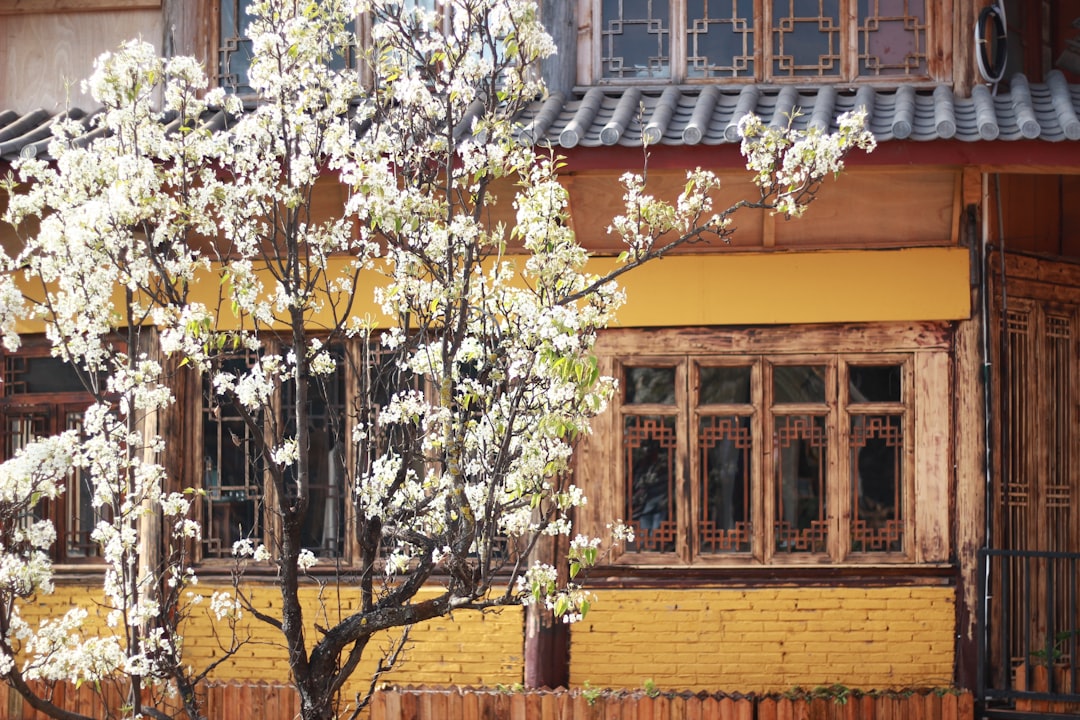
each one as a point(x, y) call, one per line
point(467, 390)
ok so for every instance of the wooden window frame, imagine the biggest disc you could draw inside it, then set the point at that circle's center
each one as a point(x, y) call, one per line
point(213, 43)
point(937, 48)
point(268, 520)
point(920, 349)
point(56, 407)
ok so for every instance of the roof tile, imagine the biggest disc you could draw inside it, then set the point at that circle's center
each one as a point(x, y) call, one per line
point(709, 115)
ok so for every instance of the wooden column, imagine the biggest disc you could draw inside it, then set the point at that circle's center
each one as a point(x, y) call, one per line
point(560, 20)
point(187, 29)
point(547, 639)
point(969, 433)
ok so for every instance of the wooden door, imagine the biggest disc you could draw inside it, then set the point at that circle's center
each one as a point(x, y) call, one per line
point(1036, 317)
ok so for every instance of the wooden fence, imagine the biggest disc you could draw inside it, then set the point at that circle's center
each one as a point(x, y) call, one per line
point(469, 704)
point(249, 701)
point(261, 701)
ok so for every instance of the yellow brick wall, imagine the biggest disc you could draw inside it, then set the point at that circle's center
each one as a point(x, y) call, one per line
point(766, 640)
point(744, 640)
point(469, 648)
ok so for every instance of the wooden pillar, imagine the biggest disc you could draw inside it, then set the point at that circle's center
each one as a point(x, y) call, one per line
point(547, 639)
point(964, 71)
point(969, 433)
point(186, 29)
point(560, 20)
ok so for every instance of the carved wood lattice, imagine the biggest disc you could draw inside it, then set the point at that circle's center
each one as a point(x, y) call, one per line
point(726, 444)
point(1038, 476)
point(799, 448)
point(650, 445)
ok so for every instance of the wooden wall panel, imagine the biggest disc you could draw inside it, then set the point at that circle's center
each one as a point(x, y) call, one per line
point(46, 56)
point(1031, 210)
point(877, 209)
point(933, 462)
point(596, 198)
point(1070, 215)
point(26, 7)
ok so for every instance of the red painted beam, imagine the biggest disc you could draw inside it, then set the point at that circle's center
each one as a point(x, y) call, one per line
point(1061, 155)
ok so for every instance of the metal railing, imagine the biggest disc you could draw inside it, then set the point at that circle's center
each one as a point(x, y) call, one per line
point(1029, 633)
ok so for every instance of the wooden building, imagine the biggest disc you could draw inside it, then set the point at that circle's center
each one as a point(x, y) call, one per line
point(850, 444)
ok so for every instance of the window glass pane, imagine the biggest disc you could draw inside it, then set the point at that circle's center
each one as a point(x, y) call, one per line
point(799, 452)
point(806, 38)
point(720, 38)
point(82, 517)
point(40, 375)
point(21, 429)
point(323, 531)
point(235, 48)
point(876, 452)
point(725, 444)
point(649, 469)
point(724, 385)
point(636, 38)
point(232, 472)
point(892, 37)
point(649, 385)
point(799, 384)
point(874, 383)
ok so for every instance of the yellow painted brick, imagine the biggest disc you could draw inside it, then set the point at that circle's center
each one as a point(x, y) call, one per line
point(771, 639)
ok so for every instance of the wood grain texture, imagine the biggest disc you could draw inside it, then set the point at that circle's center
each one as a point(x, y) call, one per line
point(932, 459)
point(28, 7)
point(47, 56)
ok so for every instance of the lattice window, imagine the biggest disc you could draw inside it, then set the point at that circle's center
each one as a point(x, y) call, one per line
point(892, 38)
point(724, 520)
point(876, 442)
point(232, 468)
point(799, 447)
point(687, 40)
point(324, 528)
point(720, 39)
point(234, 47)
point(767, 458)
point(637, 38)
point(650, 451)
point(43, 396)
point(806, 38)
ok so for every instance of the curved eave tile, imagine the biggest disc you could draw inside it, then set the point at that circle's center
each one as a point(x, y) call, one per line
point(709, 115)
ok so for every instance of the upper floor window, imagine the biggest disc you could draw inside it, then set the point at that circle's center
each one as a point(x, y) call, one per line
point(234, 47)
point(763, 40)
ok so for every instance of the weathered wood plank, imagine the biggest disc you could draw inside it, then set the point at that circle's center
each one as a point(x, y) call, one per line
point(854, 338)
point(27, 7)
point(932, 470)
point(46, 56)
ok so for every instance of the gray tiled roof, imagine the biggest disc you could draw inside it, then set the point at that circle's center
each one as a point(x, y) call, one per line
point(707, 115)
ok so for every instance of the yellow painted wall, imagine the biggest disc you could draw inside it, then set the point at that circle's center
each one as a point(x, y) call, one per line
point(757, 288)
point(738, 640)
point(798, 287)
point(469, 648)
point(764, 640)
